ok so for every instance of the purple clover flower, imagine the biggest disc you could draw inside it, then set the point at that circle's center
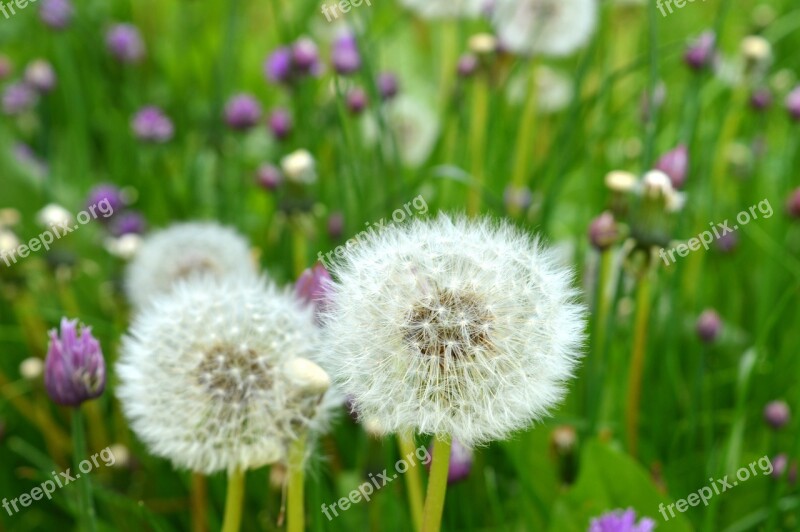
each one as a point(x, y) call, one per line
point(700, 53)
point(357, 100)
point(777, 414)
point(345, 56)
point(709, 325)
point(793, 104)
point(74, 369)
point(388, 85)
point(269, 176)
point(621, 521)
point(111, 194)
point(242, 112)
point(125, 43)
point(18, 98)
point(312, 287)
point(39, 75)
point(278, 66)
point(56, 14)
point(675, 164)
point(280, 123)
point(128, 223)
point(152, 125)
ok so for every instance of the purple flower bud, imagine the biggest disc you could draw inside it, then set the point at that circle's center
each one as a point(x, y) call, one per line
point(388, 85)
point(269, 176)
point(357, 100)
point(242, 112)
point(761, 99)
point(74, 369)
point(460, 462)
point(517, 198)
point(727, 242)
point(621, 521)
point(336, 225)
point(152, 125)
point(779, 465)
point(111, 194)
point(128, 223)
point(125, 43)
point(793, 204)
point(305, 55)
point(56, 14)
point(280, 123)
point(278, 66)
point(709, 326)
point(793, 104)
point(467, 65)
point(700, 53)
point(18, 98)
point(675, 164)
point(603, 231)
point(777, 414)
point(345, 56)
point(39, 74)
point(312, 287)
point(6, 67)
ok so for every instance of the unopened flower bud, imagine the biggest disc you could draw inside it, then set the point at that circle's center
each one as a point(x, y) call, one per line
point(675, 164)
point(709, 326)
point(307, 376)
point(603, 231)
point(777, 414)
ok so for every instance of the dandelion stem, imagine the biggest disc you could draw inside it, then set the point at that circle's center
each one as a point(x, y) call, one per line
point(234, 501)
point(296, 499)
point(637, 362)
point(86, 504)
point(437, 485)
point(413, 480)
point(199, 503)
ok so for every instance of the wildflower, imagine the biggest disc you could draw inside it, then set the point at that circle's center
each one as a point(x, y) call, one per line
point(280, 123)
point(336, 225)
point(621, 521)
point(312, 287)
point(761, 99)
point(269, 176)
point(278, 66)
point(305, 56)
point(234, 357)
point(18, 98)
point(31, 368)
point(242, 112)
point(125, 43)
point(110, 194)
point(780, 464)
point(345, 56)
point(793, 104)
point(74, 369)
point(603, 232)
point(675, 164)
point(152, 125)
point(700, 54)
point(777, 414)
point(388, 85)
point(453, 327)
point(357, 100)
point(793, 204)
point(128, 223)
point(39, 74)
point(54, 215)
point(547, 27)
point(467, 65)
point(56, 14)
point(299, 167)
point(709, 325)
point(182, 251)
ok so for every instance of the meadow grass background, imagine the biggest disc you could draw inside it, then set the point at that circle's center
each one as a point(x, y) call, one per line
point(701, 404)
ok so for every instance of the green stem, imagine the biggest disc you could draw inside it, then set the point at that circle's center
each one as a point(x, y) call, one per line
point(234, 502)
point(597, 362)
point(437, 485)
point(480, 112)
point(637, 363)
point(88, 517)
point(296, 499)
point(524, 140)
point(199, 503)
point(413, 480)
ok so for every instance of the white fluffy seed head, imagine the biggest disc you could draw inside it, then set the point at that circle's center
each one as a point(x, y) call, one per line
point(452, 326)
point(203, 376)
point(183, 251)
point(546, 27)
